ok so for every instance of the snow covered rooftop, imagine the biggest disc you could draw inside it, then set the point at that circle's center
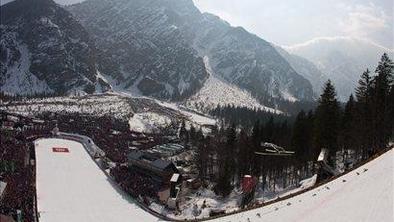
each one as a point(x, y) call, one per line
point(175, 177)
point(3, 185)
point(71, 187)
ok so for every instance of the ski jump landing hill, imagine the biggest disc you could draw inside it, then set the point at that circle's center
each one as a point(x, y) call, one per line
point(72, 187)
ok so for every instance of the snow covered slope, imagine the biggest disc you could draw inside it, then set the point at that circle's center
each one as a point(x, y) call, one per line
point(99, 105)
point(144, 114)
point(217, 91)
point(71, 187)
point(17, 78)
point(43, 49)
point(365, 194)
point(158, 47)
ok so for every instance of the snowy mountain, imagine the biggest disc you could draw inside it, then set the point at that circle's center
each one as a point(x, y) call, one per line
point(44, 49)
point(305, 68)
point(248, 61)
point(158, 48)
point(151, 48)
point(143, 47)
point(217, 91)
point(341, 59)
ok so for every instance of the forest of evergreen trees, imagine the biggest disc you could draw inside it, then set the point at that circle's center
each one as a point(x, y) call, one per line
point(356, 130)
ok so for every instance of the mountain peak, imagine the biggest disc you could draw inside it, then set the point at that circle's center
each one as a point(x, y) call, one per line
point(46, 50)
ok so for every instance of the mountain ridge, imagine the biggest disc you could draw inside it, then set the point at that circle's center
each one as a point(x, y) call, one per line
point(342, 59)
point(202, 33)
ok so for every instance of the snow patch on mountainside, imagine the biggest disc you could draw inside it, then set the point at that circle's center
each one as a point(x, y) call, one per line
point(217, 91)
point(287, 96)
point(148, 122)
point(19, 80)
point(99, 105)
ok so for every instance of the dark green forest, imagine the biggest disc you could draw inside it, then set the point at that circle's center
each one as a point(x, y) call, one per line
point(352, 132)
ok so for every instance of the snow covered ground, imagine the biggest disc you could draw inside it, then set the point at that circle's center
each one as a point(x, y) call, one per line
point(18, 78)
point(365, 194)
point(229, 204)
point(71, 187)
point(98, 104)
point(217, 91)
point(144, 114)
point(148, 122)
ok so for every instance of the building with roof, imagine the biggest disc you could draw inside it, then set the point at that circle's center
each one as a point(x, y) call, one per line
point(152, 165)
point(164, 172)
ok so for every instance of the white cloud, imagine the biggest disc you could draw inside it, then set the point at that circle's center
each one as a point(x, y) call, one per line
point(365, 20)
point(294, 21)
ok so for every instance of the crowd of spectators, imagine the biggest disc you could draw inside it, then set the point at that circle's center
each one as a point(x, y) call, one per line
point(136, 183)
point(110, 134)
point(16, 169)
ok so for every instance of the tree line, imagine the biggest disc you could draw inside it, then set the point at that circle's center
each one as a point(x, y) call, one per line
point(351, 132)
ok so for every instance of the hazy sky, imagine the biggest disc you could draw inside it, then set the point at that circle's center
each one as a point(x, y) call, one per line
point(296, 21)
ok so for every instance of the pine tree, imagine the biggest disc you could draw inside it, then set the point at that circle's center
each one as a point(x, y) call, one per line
point(363, 91)
point(326, 121)
point(202, 154)
point(230, 155)
point(363, 116)
point(183, 134)
point(348, 124)
point(391, 112)
point(256, 139)
point(244, 153)
point(299, 141)
point(310, 120)
point(226, 165)
point(192, 135)
point(382, 83)
point(269, 130)
point(347, 136)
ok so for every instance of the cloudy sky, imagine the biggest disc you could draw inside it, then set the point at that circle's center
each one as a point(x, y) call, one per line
point(293, 22)
point(296, 21)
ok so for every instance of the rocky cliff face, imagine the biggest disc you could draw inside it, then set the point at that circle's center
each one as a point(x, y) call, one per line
point(305, 68)
point(143, 39)
point(44, 49)
point(151, 47)
point(249, 61)
point(161, 43)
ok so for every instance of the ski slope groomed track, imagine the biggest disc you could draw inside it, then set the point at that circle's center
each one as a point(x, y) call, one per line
point(71, 187)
